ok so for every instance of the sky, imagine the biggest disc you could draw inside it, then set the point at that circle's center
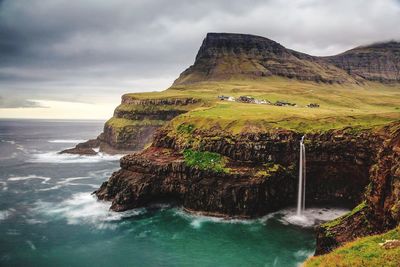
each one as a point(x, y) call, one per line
point(73, 59)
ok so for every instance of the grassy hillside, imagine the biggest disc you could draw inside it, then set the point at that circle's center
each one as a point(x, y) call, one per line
point(363, 252)
point(341, 105)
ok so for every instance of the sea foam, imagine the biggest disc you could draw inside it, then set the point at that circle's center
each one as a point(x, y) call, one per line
point(55, 157)
point(84, 208)
point(66, 141)
point(310, 216)
point(29, 177)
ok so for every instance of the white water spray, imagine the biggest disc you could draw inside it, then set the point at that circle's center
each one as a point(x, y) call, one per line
point(302, 179)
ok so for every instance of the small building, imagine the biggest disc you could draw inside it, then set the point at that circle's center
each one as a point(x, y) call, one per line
point(282, 103)
point(313, 105)
point(246, 99)
point(222, 97)
point(226, 98)
point(265, 102)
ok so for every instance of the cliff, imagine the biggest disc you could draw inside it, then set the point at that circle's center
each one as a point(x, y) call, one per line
point(133, 123)
point(380, 209)
point(259, 175)
point(376, 62)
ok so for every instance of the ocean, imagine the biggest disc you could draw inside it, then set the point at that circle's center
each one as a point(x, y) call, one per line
point(48, 216)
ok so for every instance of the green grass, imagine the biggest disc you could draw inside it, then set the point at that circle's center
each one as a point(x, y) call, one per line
point(269, 169)
point(204, 160)
point(120, 123)
point(185, 128)
point(337, 221)
point(361, 106)
point(361, 252)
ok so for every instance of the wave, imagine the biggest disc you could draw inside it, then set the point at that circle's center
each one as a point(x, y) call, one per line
point(5, 214)
point(28, 177)
point(84, 208)
point(8, 141)
point(3, 186)
point(31, 245)
point(105, 173)
point(67, 141)
point(49, 188)
point(68, 180)
point(309, 218)
point(55, 157)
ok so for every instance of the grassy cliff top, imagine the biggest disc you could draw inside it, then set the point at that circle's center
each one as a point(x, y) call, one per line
point(358, 105)
point(365, 251)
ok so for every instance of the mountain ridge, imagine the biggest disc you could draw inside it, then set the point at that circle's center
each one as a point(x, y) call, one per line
point(223, 56)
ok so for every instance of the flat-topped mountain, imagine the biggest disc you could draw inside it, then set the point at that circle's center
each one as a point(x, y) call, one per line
point(227, 55)
point(224, 56)
point(376, 62)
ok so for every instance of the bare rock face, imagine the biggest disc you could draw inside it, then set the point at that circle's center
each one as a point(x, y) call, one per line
point(159, 174)
point(226, 55)
point(378, 62)
point(380, 209)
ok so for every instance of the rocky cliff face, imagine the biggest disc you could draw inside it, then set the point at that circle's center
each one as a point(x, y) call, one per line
point(262, 172)
point(225, 55)
point(160, 174)
point(377, 62)
point(380, 209)
point(134, 123)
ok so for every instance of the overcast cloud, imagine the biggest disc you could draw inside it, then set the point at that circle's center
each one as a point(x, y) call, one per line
point(93, 51)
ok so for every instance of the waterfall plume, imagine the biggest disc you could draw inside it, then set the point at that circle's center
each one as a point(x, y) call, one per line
point(302, 179)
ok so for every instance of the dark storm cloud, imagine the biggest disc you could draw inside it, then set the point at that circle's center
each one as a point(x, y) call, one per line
point(91, 50)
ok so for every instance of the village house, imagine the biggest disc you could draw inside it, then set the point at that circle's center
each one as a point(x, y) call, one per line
point(313, 105)
point(226, 98)
point(281, 103)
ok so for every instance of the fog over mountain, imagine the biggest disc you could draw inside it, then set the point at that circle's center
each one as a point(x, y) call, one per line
point(54, 53)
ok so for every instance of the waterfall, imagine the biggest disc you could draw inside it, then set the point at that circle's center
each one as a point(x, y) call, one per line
point(301, 198)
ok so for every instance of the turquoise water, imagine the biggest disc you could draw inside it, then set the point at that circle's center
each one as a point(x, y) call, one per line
point(48, 216)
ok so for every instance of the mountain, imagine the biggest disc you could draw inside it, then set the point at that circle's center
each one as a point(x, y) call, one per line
point(229, 55)
point(376, 62)
point(224, 56)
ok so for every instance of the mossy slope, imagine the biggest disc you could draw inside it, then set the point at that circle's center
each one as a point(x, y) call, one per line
point(363, 252)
